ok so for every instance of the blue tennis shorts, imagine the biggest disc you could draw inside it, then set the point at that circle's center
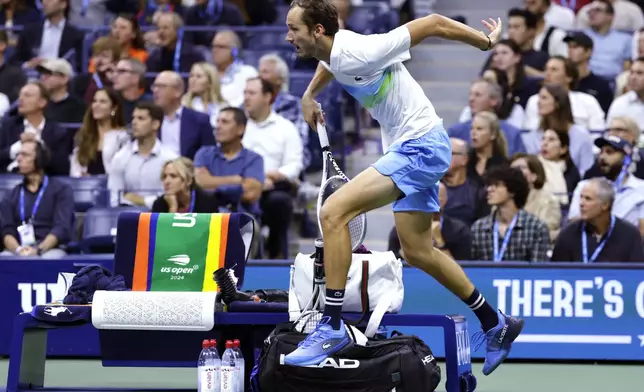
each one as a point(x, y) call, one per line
point(416, 166)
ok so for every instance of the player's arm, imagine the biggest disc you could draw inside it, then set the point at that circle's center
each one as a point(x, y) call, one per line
point(436, 25)
point(321, 79)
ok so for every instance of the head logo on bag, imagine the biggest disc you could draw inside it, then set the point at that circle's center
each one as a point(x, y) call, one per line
point(428, 359)
point(340, 363)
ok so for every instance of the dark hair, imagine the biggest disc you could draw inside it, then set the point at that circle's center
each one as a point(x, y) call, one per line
point(44, 93)
point(561, 119)
point(529, 18)
point(506, 105)
point(87, 136)
point(319, 12)
point(238, 114)
point(519, 74)
point(570, 69)
point(43, 155)
point(155, 112)
point(609, 6)
point(513, 180)
point(564, 139)
point(267, 87)
point(137, 41)
point(534, 165)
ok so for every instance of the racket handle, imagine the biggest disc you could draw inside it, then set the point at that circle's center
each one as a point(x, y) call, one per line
point(322, 135)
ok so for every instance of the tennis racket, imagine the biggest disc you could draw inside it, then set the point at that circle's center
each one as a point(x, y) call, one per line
point(333, 179)
point(310, 316)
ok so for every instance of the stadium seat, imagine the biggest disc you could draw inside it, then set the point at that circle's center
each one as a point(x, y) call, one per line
point(299, 82)
point(8, 182)
point(373, 18)
point(99, 229)
point(268, 40)
point(89, 192)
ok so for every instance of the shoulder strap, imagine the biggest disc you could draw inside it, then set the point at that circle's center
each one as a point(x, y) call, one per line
point(364, 294)
point(545, 45)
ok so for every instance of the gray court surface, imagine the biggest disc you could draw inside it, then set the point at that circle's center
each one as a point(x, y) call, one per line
point(508, 378)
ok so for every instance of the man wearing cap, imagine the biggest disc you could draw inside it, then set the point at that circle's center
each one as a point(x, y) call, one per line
point(580, 50)
point(612, 49)
point(598, 236)
point(55, 74)
point(614, 162)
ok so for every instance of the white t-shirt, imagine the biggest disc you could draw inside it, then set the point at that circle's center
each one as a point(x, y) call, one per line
point(586, 112)
point(370, 68)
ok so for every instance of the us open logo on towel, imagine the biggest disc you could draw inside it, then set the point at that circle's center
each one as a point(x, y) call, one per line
point(178, 273)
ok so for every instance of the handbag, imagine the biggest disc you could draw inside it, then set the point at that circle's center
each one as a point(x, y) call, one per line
point(374, 284)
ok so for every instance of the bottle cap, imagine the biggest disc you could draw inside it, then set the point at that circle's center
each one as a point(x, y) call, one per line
point(205, 343)
point(229, 344)
point(213, 343)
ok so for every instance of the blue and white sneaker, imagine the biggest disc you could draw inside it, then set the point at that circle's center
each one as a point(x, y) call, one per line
point(321, 343)
point(498, 341)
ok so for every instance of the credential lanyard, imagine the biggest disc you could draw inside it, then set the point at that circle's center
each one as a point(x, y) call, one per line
point(498, 255)
point(97, 80)
point(177, 51)
point(45, 182)
point(192, 201)
point(600, 246)
point(618, 185)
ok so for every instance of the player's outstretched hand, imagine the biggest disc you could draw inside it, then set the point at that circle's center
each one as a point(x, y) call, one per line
point(312, 112)
point(495, 27)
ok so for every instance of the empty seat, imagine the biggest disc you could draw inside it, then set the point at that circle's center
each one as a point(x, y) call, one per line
point(299, 82)
point(99, 229)
point(8, 182)
point(268, 40)
point(89, 192)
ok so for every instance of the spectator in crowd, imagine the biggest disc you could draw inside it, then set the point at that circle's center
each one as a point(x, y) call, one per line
point(31, 124)
point(449, 235)
point(627, 129)
point(509, 233)
point(226, 48)
point(466, 199)
point(89, 13)
point(627, 16)
point(235, 172)
point(508, 110)
point(344, 8)
point(134, 176)
point(507, 58)
point(54, 38)
point(204, 91)
point(622, 81)
point(149, 12)
point(274, 69)
point(612, 49)
point(631, 104)
point(278, 142)
point(555, 112)
point(12, 77)
point(541, 203)
point(580, 49)
point(614, 160)
point(486, 96)
point(183, 130)
point(106, 52)
point(63, 107)
point(209, 13)
point(181, 192)
point(562, 176)
point(522, 25)
point(586, 110)
point(552, 23)
point(18, 13)
point(125, 30)
point(129, 82)
point(598, 236)
point(100, 137)
point(38, 214)
point(257, 12)
point(173, 54)
point(489, 147)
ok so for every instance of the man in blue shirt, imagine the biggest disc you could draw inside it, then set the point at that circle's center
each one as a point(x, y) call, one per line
point(38, 215)
point(236, 173)
point(612, 49)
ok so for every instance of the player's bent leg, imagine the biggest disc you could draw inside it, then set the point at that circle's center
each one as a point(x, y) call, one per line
point(499, 330)
point(365, 192)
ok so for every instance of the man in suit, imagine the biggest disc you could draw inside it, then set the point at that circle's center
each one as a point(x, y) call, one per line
point(53, 38)
point(166, 58)
point(184, 130)
point(31, 125)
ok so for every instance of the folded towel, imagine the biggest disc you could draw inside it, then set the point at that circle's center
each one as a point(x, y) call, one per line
point(88, 280)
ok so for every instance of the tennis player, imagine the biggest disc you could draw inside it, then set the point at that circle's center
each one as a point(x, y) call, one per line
point(417, 155)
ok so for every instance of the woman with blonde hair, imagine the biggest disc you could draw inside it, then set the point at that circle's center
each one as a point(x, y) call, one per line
point(204, 91)
point(489, 146)
point(181, 193)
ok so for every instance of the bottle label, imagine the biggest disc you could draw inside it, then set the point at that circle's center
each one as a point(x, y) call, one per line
point(207, 379)
point(228, 379)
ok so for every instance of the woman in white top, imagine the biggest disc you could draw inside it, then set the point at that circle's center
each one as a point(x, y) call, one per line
point(204, 91)
point(102, 134)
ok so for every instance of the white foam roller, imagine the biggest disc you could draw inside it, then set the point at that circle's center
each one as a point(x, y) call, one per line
point(154, 310)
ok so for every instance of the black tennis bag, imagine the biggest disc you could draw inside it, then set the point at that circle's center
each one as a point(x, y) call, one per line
point(401, 363)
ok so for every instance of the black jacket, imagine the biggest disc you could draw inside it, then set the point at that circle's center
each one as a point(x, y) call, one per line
point(31, 36)
point(204, 203)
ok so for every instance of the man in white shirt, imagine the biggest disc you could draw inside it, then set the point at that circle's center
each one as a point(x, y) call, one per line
point(552, 22)
point(278, 141)
point(233, 73)
point(628, 16)
point(418, 154)
point(586, 111)
point(630, 104)
point(135, 177)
